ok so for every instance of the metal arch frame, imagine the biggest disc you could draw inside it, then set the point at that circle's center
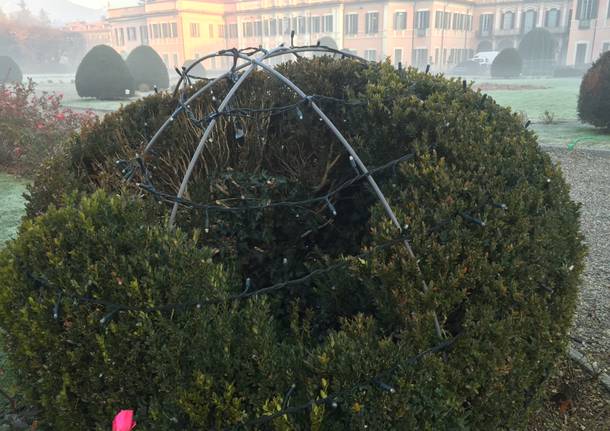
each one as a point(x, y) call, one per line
point(225, 53)
point(253, 63)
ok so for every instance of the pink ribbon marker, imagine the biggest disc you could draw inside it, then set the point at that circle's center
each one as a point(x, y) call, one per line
point(123, 421)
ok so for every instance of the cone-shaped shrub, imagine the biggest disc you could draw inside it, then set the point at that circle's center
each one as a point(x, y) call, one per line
point(9, 70)
point(507, 64)
point(593, 100)
point(538, 50)
point(489, 218)
point(147, 68)
point(198, 70)
point(104, 75)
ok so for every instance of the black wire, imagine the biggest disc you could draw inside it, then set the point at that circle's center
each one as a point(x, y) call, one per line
point(332, 399)
point(149, 187)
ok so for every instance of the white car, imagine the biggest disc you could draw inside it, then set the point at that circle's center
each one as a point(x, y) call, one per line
point(485, 57)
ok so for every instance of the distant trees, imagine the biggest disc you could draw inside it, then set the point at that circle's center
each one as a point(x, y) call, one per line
point(593, 100)
point(103, 74)
point(147, 69)
point(37, 46)
point(507, 64)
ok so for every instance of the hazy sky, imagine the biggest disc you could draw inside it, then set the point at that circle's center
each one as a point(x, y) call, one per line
point(101, 3)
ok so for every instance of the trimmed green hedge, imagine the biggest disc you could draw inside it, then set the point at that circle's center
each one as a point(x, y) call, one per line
point(489, 218)
point(147, 69)
point(9, 70)
point(593, 100)
point(507, 64)
point(104, 75)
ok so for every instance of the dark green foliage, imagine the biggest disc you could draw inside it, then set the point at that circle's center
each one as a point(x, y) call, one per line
point(103, 74)
point(593, 100)
point(507, 64)
point(538, 50)
point(507, 286)
point(147, 69)
point(9, 70)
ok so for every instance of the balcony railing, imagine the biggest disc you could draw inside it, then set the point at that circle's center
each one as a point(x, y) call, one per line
point(421, 32)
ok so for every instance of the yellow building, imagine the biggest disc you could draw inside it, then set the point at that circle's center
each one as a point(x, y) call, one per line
point(416, 32)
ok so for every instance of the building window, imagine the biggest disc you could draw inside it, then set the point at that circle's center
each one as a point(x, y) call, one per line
point(258, 28)
point(529, 20)
point(194, 30)
point(420, 57)
point(174, 29)
point(371, 22)
point(272, 27)
point(302, 24)
point(351, 23)
point(551, 19)
point(316, 24)
point(131, 34)
point(221, 30)
point(231, 31)
point(211, 31)
point(422, 20)
point(247, 29)
point(286, 25)
point(581, 53)
point(122, 36)
point(508, 21)
point(157, 31)
point(397, 57)
point(144, 34)
point(328, 24)
point(400, 21)
point(370, 54)
point(486, 24)
point(166, 30)
point(586, 9)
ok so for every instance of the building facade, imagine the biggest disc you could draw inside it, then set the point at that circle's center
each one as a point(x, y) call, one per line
point(589, 31)
point(94, 33)
point(414, 32)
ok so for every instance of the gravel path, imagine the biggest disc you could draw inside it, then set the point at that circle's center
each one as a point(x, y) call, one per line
point(588, 173)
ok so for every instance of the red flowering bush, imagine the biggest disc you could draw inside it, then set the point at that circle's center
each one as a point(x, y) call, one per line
point(32, 125)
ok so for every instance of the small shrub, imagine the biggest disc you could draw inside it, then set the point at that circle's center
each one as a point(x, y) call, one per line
point(103, 74)
point(507, 64)
point(593, 100)
point(548, 117)
point(490, 220)
point(33, 126)
point(538, 49)
point(9, 70)
point(147, 69)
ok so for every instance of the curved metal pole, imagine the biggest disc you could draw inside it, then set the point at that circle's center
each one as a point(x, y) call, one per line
point(362, 167)
point(274, 53)
point(204, 138)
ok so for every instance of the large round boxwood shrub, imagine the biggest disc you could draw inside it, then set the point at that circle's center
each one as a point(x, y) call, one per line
point(9, 70)
point(593, 100)
point(507, 64)
point(104, 75)
point(147, 68)
point(494, 232)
